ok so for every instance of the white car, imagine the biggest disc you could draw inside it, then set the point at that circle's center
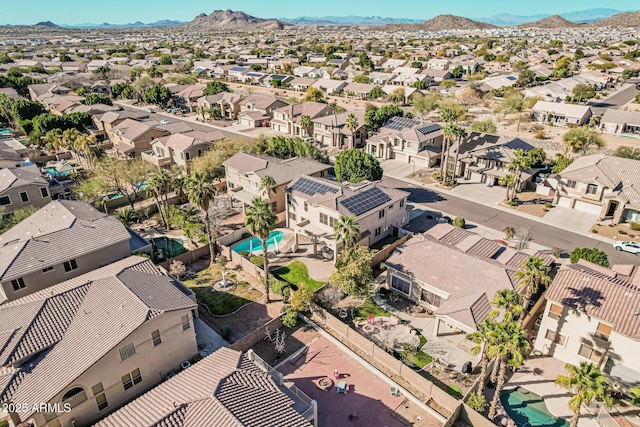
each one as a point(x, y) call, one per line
point(632, 247)
point(164, 122)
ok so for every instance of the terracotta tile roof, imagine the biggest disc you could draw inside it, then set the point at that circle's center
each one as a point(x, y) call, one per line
point(600, 293)
point(281, 170)
point(223, 389)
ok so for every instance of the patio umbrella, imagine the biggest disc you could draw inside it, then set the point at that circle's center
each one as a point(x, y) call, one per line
point(251, 247)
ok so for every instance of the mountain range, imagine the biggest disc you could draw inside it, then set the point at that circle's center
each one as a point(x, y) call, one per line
point(228, 19)
point(583, 16)
point(138, 24)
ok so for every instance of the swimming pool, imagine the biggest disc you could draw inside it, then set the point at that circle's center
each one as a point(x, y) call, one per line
point(527, 408)
point(5, 131)
point(53, 172)
point(167, 247)
point(255, 245)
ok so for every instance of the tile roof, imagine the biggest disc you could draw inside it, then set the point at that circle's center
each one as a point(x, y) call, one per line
point(281, 170)
point(21, 176)
point(94, 312)
point(569, 110)
point(600, 293)
point(311, 109)
point(58, 232)
point(9, 153)
point(335, 200)
point(622, 117)
point(223, 389)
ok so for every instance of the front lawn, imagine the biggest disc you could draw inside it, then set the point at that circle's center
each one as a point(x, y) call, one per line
point(297, 273)
point(370, 307)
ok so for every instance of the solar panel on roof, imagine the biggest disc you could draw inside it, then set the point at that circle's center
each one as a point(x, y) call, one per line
point(428, 128)
point(309, 187)
point(365, 201)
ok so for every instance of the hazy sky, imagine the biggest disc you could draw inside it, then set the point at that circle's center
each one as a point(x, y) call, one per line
point(125, 11)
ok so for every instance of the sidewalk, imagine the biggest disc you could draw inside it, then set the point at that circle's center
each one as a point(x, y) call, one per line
point(577, 222)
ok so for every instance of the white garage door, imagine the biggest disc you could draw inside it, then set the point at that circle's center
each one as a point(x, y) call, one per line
point(400, 156)
point(564, 202)
point(475, 177)
point(588, 207)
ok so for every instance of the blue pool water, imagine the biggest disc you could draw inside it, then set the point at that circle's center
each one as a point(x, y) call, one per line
point(525, 407)
point(52, 172)
point(5, 130)
point(255, 244)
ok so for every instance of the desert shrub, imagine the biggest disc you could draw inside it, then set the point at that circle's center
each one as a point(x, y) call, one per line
point(459, 222)
point(290, 318)
point(635, 226)
point(257, 260)
point(593, 255)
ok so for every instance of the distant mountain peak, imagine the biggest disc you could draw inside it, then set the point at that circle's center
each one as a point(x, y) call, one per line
point(232, 20)
point(551, 22)
point(48, 24)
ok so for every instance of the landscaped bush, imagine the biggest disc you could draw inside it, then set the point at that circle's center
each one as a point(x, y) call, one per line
point(196, 358)
point(243, 253)
point(257, 260)
point(290, 319)
point(280, 287)
point(225, 332)
point(548, 205)
point(459, 222)
point(477, 402)
point(635, 226)
point(593, 255)
point(622, 232)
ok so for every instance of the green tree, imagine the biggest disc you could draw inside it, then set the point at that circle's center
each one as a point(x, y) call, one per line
point(285, 148)
point(353, 274)
point(507, 181)
point(448, 83)
point(580, 139)
point(351, 123)
point(424, 104)
point(512, 104)
point(525, 78)
point(561, 162)
point(346, 231)
point(260, 222)
point(165, 59)
point(268, 185)
point(365, 62)
point(154, 72)
point(127, 216)
point(376, 93)
point(306, 124)
point(157, 95)
point(582, 92)
point(94, 98)
point(124, 177)
point(313, 94)
point(215, 87)
point(200, 192)
point(532, 274)
point(593, 255)
point(7, 221)
point(587, 383)
point(122, 91)
point(354, 166)
point(361, 78)
point(484, 126)
point(416, 64)
point(302, 299)
point(397, 96)
point(635, 393)
point(627, 152)
point(375, 118)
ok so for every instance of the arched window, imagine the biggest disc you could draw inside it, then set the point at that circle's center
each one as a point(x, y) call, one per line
point(74, 397)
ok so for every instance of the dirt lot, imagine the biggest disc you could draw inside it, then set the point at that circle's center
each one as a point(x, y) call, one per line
point(617, 232)
point(296, 338)
point(532, 204)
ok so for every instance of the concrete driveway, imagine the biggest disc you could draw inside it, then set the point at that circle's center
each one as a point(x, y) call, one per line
point(570, 219)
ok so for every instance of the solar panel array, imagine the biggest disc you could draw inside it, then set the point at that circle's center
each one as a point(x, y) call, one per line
point(401, 123)
point(428, 128)
point(310, 187)
point(365, 201)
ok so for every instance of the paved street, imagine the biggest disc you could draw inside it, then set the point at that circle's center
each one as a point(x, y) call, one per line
point(615, 101)
point(488, 216)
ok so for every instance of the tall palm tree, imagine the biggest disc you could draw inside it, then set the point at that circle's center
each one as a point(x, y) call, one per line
point(508, 181)
point(200, 192)
point(587, 383)
point(533, 273)
point(347, 231)
point(460, 134)
point(481, 339)
point(510, 301)
point(268, 185)
point(510, 344)
point(520, 161)
point(448, 131)
point(351, 122)
point(159, 186)
point(306, 123)
point(261, 221)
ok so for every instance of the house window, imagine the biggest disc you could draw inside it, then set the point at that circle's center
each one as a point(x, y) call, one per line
point(377, 231)
point(431, 298)
point(185, 322)
point(324, 219)
point(381, 214)
point(402, 203)
point(47, 269)
point(18, 284)
point(555, 337)
point(44, 192)
point(155, 336)
point(409, 144)
point(292, 216)
point(101, 398)
point(603, 331)
point(127, 351)
point(306, 207)
point(592, 189)
point(555, 311)
point(231, 185)
point(5, 200)
point(70, 265)
point(24, 197)
point(274, 206)
point(571, 184)
point(590, 353)
point(390, 207)
point(74, 397)
point(199, 152)
point(332, 222)
point(400, 284)
point(131, 379)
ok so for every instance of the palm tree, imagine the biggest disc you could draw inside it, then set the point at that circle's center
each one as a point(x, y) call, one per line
point(510, 301)
point(200, 192)
point(347, 231)
point(587, 384)
point(159, 186)
point(580, 139)
point(127, 216)
point(481, 339)
point(448, 131)
point(268, 185)
point(351, 122)
point(508, 181)
point(306, 123)
point(261, 221)
point(533, 273)
point(635, 392)
point(520, 161)
point(460, 134)
point(53, 138)
point(510, 344)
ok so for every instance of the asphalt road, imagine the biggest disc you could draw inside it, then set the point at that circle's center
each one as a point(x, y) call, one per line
point(487, 216)
point(614, 101)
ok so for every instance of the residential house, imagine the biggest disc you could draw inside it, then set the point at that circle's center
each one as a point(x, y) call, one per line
point(101, 88)
point(9, 156)
point(438, 64)
point(436, 76)
point(228, 104)
point(93, 343)
point(12, 93)
point(223, 389)
point(287, 119)
point(412, 141)
point(187, 98)
point(606, 186)
point(301, 83)
point(620, 122)
point(39, 91)
point(454, 273)
point(332, 131)
point(592, 316)
point(484, 158)
point(410, 80)
point(560, 114)
point(180, 148)
point(244, 173)
point(131, 137)
point(358, 90)
point(305, 71)
point(330, 86)
point(314, 205)
point(62, 240)
point(22, 186)
point(257, 111)
point(104, 123)
point(235, 73)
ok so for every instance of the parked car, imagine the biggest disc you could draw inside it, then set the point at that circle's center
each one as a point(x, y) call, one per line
point(164, 122)
point(149, 110)
point(631, 247)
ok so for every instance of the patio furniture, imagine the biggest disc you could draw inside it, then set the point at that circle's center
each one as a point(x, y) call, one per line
point(325, 383)
point(342, 387)
point(395, 392)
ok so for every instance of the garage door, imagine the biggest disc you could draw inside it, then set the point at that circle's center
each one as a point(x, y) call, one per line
point(564, 202)
point(399, 156)
point(588, 207)
point(475, 177)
